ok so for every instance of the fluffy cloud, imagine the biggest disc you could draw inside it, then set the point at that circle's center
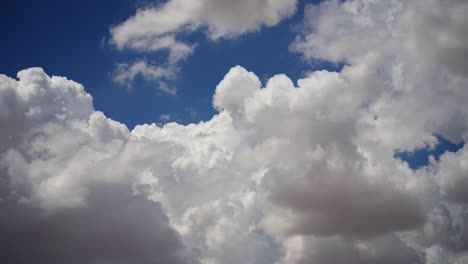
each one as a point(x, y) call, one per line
point(285, 173)
point(401, 56)
point(60, 198)
point(338, 31)
point(156, 28)
point(396, 48)
point(238, 186)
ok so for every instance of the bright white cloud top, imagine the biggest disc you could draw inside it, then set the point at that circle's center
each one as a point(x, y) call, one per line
point(156, 28)
point(285, 173)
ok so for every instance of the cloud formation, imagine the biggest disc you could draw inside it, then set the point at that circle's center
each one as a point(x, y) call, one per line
point(60, 200)
point(286, 172)
point(158, 28)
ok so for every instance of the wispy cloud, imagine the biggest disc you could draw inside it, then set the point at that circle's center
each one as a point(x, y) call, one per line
point(126, 73)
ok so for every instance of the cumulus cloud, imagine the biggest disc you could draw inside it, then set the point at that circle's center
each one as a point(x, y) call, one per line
point(286, 172)
point(400, 55)
point(59, 199)
point(345, 31)
point(113, 227)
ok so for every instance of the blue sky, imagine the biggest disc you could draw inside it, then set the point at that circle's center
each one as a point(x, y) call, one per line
point(420, 157)
point(72, 39)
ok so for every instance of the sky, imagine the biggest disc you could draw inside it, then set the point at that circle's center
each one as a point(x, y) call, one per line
point(72, 39)
point(219, 131)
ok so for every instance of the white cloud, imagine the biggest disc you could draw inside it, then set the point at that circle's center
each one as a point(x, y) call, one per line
point(60, 199)
point(401, 58)
point(126, 73)
point(165, 117)
point(238, 185)
point(156, 28)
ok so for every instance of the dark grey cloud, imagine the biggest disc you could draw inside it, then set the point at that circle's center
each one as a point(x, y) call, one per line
point(328, 205)
point(113, 227)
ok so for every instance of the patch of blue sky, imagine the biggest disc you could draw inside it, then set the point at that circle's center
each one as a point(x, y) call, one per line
point(420, 157)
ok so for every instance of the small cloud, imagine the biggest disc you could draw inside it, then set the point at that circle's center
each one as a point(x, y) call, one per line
point(126, 73)
point(193, 114)
point(165, 117)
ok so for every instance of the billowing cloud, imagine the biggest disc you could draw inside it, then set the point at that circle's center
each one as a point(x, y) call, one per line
point(286, 172)
point(346, 31)
point(60, 200)
point(401, 56)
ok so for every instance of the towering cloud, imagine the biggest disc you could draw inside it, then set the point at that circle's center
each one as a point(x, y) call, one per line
point(60, 198)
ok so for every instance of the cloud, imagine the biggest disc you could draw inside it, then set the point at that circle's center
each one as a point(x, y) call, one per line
point(394, 48)
point(126, 73)
point(236, 185)
point(156, 28)
point(346, 31)
point(452, 174)
point(286, 172)
point(113, 227)
point(60, 200)
point(165, 117)
point(400, 56)
point(381, 250)
point(325, 191)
